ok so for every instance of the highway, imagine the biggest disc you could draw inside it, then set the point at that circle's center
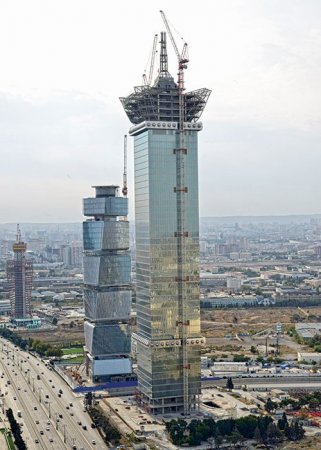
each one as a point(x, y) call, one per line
point(51, 420)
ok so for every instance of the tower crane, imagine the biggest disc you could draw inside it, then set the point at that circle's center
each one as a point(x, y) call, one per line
point(125, 189)
point(182, 232)
point(181, 57)
point(148, 81)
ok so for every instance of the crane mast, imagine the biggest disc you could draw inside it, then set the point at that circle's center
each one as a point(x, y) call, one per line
point(125, 189)
point(152, 62)
point(148, 81)
point(182, 232)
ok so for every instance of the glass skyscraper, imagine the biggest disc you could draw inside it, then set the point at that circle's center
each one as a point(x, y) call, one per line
point(168, 378)
point(107, 284)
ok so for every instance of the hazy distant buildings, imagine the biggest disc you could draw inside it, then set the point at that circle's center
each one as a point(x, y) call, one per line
point(233, 283)
point(72, 255)
point(107, 284)
point(19, 274)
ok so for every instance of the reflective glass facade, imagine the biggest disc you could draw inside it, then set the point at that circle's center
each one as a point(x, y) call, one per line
point(107, 340)
point(159, 349)
point(107, 270)
point(108, 235)
point(107, 283)
point(109, 206)
point(107, 304)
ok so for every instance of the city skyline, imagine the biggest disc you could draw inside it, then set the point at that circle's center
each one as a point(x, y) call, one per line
point(260, 148)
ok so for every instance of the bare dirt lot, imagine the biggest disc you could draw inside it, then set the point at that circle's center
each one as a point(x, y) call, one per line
point(236, 329)
point(62, 335)
point(224, 329)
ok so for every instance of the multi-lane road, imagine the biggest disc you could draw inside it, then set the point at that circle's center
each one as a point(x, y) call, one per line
point(52, 417)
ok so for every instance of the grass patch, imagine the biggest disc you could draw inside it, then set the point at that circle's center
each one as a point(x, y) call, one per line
point(73, 351)
point(77, 359)
point(8, 439)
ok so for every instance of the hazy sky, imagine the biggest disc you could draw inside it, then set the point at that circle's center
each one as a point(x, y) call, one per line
point(64, 63)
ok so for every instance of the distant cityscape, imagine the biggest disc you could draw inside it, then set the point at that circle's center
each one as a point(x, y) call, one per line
point(244, 261)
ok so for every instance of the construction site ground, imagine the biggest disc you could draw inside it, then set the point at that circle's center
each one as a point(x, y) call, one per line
point(62, 335)
point(235, 330)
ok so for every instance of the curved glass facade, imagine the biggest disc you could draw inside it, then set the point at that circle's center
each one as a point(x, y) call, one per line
point(106, 235)
point(107, 284)
point(110, 304)
point(107, 270)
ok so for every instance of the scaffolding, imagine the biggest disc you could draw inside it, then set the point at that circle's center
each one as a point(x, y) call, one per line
point(161, 101)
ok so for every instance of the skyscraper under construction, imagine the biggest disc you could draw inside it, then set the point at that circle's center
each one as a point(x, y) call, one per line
point(168, 335)
point(19, 274)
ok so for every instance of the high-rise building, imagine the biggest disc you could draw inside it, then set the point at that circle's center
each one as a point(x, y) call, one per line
point(168, 334)
point(107, 284)
point(19, 274)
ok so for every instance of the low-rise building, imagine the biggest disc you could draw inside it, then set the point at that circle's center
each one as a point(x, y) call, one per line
point(307, 330)
point(228, 366)
point(309, 357)
point(220, 301)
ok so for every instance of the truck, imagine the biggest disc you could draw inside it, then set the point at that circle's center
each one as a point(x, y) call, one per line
point(19, 413)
